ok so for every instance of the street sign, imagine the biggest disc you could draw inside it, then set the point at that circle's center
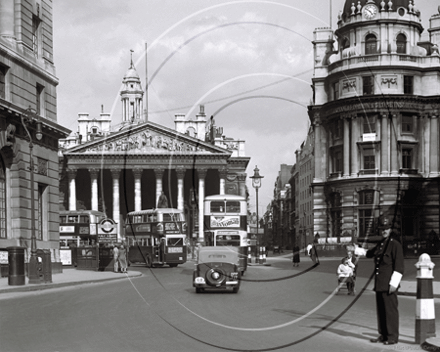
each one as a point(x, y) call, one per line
point(107, 231)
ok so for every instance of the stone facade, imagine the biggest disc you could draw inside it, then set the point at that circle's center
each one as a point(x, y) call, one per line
point(375, 122)
point(28, 101)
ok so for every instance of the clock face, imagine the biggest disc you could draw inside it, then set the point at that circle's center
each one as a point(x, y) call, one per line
point(369, 11)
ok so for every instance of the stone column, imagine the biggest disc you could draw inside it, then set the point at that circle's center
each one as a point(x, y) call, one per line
point(316, 148)
point(180, 171)
point(159, 174)
point(433, 146)
point(354, 148)
point(202, 174)
point(421, 147)
point(242, 184)
point(71, 174)
point(426, 144)
point(94, 187)
point(222, 174)
point(346, 148)
point(115, 177)
point(137, 172)
point(384, 145)
point(393, 146)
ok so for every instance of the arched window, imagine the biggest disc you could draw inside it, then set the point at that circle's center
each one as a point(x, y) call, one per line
point(401, 43)
point(370, 44)
point(3, 233)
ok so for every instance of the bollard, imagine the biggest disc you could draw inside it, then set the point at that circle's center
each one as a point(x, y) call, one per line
point(425, 311)
point(264, 255)
point(260, 255)
point(249, 255)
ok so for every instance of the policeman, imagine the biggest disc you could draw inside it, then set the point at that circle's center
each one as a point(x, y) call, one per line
point(388, 259)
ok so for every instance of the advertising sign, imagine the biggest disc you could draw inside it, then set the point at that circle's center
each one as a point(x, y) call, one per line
point(66, 256)
point(171, 227)
point(225, 221)
point(4, 257)
point(67, 229)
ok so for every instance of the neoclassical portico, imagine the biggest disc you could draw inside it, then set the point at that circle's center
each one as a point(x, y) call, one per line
point(118, 171)
point(130, 169)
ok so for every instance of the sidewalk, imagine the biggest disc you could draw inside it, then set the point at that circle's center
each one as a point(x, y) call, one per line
point(68, 277)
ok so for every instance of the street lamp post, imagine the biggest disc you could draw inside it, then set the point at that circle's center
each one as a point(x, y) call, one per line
point(27, 118)
point(256, 183)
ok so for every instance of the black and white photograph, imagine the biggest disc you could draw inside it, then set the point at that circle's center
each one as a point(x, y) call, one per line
point(219, 175)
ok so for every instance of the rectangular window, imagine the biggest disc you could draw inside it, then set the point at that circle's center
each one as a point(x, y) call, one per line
point(336, 91)
point(35, 34)
point(407, 123)
point(366, 197)
point(407, 158)
point(366, 222)
point(337, 129)
point(3, 70)
point(368, 85)
point(370, 124)
point(39, 98)
point(41, 211)
point(369, 162)
point(408, 84)
point(338, 161)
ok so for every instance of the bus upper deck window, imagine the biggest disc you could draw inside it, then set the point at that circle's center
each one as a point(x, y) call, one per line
point(84, 219)
point(233, 207)
point(62, 219)
point(217, 207)
point(72, 218)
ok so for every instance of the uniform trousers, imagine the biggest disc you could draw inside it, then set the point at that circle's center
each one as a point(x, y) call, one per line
point(387, 315)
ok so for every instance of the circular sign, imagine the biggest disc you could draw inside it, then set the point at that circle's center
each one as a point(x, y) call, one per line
point(107, 225)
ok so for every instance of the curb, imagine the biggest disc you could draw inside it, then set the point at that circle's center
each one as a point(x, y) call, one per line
point(41, 287)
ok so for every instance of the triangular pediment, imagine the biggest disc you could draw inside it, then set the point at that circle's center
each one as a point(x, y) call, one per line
point(146, 138)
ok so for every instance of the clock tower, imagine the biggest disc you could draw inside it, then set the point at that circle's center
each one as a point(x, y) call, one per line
point(375, 117)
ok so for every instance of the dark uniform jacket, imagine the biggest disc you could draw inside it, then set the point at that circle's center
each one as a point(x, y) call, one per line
point(392, 260)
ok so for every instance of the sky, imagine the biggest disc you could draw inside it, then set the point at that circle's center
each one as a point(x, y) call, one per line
point(250, 63)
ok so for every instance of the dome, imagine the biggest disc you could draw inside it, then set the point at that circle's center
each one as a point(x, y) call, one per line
point(131, 74)
point(396, 4)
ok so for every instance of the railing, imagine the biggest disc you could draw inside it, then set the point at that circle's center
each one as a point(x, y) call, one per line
point(384, 59)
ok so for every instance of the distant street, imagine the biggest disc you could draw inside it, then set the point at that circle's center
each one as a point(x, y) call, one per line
point(160, 311)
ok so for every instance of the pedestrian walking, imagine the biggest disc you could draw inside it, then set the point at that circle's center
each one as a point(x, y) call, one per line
point(296, 258)
point(115, 258)
point(313, 253)
point(389, 265)
point(122, 258)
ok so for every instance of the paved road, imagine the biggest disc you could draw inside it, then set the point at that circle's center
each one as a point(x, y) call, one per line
point(281, 309)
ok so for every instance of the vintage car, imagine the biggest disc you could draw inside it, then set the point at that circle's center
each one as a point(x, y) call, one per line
point(217, 268)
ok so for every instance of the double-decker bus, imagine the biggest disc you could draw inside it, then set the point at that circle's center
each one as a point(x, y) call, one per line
point(79, 228)
point(225, 223)
point(156, 237)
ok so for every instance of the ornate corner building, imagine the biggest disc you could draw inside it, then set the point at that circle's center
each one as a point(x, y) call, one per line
point(126, 167)
point(375, 117)
point(28, 108)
